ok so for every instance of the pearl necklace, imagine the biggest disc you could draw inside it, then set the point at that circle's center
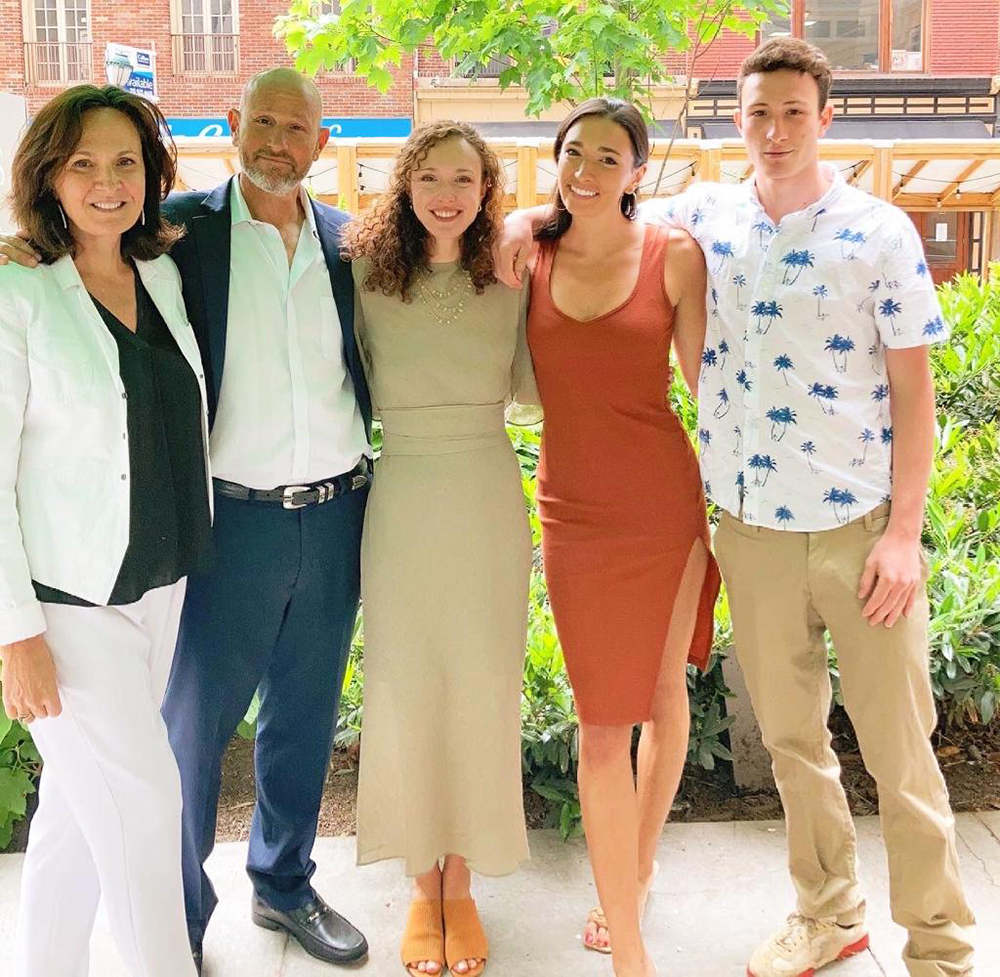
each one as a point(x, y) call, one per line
point(446, 305)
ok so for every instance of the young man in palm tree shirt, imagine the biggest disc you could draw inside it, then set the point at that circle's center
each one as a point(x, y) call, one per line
point(816, 434)
point(822, 497)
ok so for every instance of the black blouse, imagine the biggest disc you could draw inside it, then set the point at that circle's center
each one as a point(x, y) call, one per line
point(169, 522)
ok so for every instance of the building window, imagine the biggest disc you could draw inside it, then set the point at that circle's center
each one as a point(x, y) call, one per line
point(207, 42)
point(327, 8)
point(58, 49)
point(858, 35)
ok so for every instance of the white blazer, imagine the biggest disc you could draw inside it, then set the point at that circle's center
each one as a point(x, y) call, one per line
point(64, 454)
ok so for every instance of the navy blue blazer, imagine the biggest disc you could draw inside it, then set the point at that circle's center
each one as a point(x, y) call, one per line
point(202, 256)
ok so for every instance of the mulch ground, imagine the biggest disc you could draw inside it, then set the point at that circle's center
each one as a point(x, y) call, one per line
point(969, 758)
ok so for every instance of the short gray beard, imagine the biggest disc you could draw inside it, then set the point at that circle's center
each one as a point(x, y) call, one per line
point(279, 186)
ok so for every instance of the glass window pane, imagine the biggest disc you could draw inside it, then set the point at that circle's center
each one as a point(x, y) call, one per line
point(941, 238)
point(776, 27)
point(846, 30)
point(907, 42)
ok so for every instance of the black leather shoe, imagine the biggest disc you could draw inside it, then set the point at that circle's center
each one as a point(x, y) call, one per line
point(198, 955)
point(323, 933)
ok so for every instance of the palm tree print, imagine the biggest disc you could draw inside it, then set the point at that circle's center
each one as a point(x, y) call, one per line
point(758, 310)
point(697, 216)
point(708, 359)
point(707, 485)
point(738, 446)
point(850, 241)
point(746, 384)
point(879, 395)
point(816, 217)
point(809, 449)
point(841, 500)
point(762, 227)
point(741, 488)
point(722, 250)
point(797, 260)
point(784, 515)
point(715, 301)
point(723, 352)
point(890, 308)
point(722, 407)
point(872, 289)
point(821, 292)
point(921, 269)
point(886, 435)
point(762, 463)
point(780, 418)
point(934, 327)
point(825, 395)
point(704, 439)
point(873, 353)
point(783, 364)
point(773, 312)
point(839, 346)
point(740, 282)
point(866, 437)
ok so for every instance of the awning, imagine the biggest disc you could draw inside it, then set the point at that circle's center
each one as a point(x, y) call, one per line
point(868, 128)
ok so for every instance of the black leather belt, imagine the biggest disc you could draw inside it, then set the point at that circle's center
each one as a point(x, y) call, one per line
point(300, 496)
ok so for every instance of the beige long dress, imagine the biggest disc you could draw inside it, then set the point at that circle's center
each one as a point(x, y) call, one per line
point(445, 560)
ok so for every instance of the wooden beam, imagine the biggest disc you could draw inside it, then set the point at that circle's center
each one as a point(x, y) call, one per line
point(964, 175)
point(882, 179)
point(909, 175)
point(861, 169)
point(710, 163)
point(995, 199)
point(347, 175)
point(527, 174)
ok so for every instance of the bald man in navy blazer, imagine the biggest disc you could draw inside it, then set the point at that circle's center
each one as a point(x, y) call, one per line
point(271, 302)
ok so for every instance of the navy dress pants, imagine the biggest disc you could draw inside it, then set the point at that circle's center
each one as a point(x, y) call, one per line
point(275, 613)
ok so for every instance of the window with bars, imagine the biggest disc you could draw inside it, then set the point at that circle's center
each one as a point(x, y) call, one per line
point(208, 40)
point(858, 35)
point(59, 49)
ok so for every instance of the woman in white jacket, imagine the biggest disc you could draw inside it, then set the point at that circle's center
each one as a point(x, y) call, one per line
point(104, 510)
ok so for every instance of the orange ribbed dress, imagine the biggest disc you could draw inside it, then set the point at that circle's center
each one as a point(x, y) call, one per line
point(619, 492)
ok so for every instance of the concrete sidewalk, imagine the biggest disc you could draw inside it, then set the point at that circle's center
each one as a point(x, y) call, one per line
point(722, 888)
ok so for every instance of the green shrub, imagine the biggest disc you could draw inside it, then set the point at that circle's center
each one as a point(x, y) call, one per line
point(962, 538)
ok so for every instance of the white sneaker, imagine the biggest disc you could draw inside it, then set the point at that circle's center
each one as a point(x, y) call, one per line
point(804, 945)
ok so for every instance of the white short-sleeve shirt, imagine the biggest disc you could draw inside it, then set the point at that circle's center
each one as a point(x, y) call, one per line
point(794, 424)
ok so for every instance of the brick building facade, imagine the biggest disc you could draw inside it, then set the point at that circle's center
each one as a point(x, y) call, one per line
point(206, 49)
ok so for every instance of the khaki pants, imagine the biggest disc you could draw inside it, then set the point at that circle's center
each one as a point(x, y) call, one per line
point(785, 589)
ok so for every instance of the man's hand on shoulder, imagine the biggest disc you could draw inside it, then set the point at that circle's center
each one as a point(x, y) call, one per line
point(15, 248)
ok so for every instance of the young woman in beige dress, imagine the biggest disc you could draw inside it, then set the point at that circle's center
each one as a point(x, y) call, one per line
point(446, 553)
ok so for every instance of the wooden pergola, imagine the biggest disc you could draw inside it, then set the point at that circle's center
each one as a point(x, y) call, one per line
point(931, 175)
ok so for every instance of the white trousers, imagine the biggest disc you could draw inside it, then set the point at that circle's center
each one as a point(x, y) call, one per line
point(109, 814)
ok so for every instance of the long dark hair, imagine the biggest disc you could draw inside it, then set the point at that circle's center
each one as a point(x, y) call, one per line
point(50, 141)
point(626, 115)
point(394, 240)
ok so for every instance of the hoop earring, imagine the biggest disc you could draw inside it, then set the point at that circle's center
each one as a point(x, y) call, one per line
point(62, 214)
point(142, 217)
point(630, 205)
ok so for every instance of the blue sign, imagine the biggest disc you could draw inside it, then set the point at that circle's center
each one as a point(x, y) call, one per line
point(345, 128)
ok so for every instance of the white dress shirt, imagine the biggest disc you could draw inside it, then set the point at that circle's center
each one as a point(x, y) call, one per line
point(287, 412)
point(65, 496)
point(794, 422)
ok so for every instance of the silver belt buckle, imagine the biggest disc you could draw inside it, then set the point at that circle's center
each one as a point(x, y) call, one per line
point(286, 497)
point(358, 481)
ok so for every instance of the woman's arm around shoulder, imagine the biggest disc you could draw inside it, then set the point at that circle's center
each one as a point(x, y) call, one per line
point(685, 281)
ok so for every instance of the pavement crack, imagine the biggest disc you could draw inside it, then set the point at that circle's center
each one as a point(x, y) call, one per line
point(979, 858)
point(878, 963)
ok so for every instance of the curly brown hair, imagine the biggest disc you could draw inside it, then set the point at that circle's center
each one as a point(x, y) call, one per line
point(48, 144)
point(393, 239)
